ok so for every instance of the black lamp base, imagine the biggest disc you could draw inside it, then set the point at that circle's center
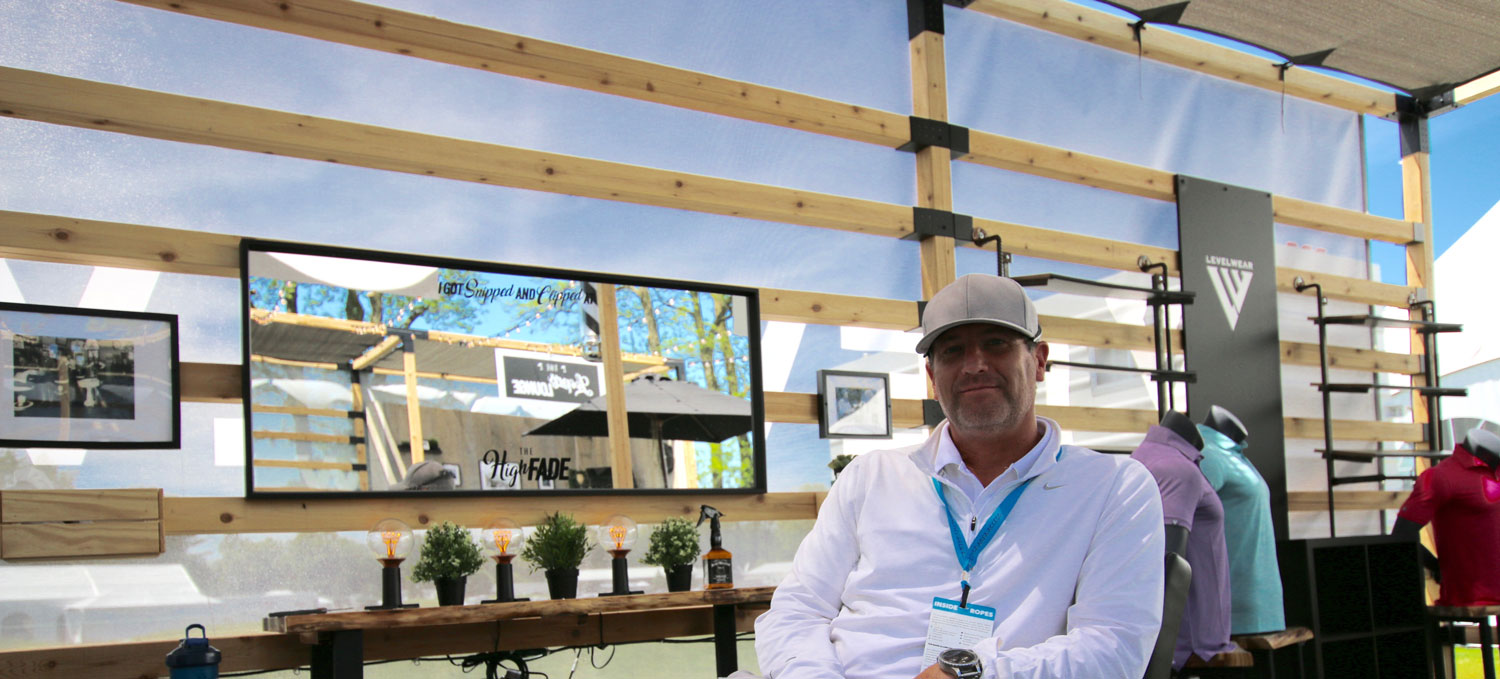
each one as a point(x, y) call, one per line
point(621, 575)
point(390, 587)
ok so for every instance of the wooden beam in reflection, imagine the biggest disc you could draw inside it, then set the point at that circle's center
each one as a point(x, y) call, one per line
point(376, 353)
point(620, 461)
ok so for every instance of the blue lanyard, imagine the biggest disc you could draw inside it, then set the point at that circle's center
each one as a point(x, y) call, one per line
point(968, 555)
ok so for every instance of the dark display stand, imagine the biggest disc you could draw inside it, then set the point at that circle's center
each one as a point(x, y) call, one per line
point(1158, 296)
point(1430, 390)
point(1363, 599)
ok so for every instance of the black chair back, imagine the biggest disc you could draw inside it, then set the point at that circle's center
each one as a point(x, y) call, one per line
point(1174, 598)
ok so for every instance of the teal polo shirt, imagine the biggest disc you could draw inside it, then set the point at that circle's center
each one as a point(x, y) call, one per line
point(1254, 580)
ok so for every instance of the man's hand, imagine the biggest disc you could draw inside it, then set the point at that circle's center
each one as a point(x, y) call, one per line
point(934, 671)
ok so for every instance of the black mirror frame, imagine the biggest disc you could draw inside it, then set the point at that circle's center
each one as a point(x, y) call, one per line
point(752, 330)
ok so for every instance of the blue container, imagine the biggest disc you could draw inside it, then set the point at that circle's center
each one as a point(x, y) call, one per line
point(194, 658)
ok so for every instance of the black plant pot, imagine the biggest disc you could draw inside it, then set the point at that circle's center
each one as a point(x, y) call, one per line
point(562, 583)
point(450, 591)
point(679, 577)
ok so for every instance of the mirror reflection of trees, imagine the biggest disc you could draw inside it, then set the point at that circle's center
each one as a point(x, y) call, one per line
point(696, 334)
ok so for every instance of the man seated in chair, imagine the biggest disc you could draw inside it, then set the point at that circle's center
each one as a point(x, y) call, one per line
point(989, 550)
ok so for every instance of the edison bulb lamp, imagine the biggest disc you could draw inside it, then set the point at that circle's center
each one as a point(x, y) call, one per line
point(618, 534)
point(502, 541)
point(390, 540)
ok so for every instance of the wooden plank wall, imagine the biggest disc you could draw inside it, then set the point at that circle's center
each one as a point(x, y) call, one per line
point(92, 105)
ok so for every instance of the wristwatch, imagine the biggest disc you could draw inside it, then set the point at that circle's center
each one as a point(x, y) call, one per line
point(960, 663)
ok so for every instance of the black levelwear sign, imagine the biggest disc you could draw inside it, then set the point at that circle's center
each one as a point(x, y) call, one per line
point(1227, 238)
point(550, 380)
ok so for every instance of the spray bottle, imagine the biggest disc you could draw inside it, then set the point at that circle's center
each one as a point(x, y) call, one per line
point(718, 569)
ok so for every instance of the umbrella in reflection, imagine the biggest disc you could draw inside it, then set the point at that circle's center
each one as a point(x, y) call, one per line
point(660, 409)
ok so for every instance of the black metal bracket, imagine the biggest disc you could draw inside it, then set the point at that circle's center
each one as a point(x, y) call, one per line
point(1002, 258)
point(1424, 103)
point(961, 4)
point(927, 132)
point(932, 412)
point(923, 15)
point(927, 222)
point(407, 336)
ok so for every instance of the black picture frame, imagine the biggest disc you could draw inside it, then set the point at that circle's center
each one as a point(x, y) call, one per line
point(580, 481)
point(97, 379)
point(854, 405)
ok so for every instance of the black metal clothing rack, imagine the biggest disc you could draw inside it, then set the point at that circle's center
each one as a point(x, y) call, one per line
point(1158, 296)
point(1427, 327)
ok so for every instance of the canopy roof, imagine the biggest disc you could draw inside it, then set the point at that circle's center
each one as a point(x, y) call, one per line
point(1422, 47)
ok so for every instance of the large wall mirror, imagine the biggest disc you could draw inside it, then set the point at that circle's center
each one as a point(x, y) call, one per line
point(371, 372)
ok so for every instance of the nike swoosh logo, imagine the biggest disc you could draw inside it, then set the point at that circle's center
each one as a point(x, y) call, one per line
point(1049, 486)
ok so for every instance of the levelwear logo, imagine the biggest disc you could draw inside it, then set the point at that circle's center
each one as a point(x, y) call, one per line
point(1231, 279)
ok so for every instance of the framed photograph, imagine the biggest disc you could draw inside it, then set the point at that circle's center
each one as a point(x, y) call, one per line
point(88, 378)
point(853, 405)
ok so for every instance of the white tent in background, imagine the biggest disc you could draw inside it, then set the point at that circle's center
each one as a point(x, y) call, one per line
point(1464, 279)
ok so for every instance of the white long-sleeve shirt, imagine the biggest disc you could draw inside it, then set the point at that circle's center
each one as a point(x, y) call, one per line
point(1075, 573)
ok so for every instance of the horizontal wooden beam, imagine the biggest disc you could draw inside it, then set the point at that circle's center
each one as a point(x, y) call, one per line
point(1027, 157)
point(126, 504)
point(302, 436)
point(484, 49)
point(250, 652)
point(1350, 358)
point(1354, 430)
point(1338, 220)
point(458, 615)
point(795, 306)
point(1113, 32)
point(1061, 246)
point(294, 410)
point(304, 464)
point(1370, 500)
point(50, 238)
point(1345, 288)
point(78, 540)
point(200, 515)
point(1476, 89)
point(43, 97)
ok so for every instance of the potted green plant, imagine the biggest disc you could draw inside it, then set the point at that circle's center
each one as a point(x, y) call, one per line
point(449, 555)
point(838, 463)
point(557, 546)
point(674, 546)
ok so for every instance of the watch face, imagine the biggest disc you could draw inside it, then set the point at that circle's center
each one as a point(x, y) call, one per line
point(958, 656)
point(960, 662)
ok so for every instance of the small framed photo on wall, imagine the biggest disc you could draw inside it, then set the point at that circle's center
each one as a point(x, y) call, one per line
point(88, 378)
point(853, 405)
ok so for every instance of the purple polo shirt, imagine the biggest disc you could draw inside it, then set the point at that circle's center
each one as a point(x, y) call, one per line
point(1189, 501)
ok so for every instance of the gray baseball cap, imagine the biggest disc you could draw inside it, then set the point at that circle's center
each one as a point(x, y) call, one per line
point(979, 298)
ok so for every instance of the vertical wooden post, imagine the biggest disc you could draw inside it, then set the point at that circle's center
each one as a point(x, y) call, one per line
point(934, 166)
point(413, 404)
point(1416, 198)
point(1416, 201)
point(357, 415)
point(621, 463)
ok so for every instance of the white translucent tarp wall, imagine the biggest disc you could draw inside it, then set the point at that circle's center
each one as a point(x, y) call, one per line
point(1003, 79)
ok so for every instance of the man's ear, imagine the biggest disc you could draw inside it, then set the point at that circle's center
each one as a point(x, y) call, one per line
point(1040, 354)
point(927, 364)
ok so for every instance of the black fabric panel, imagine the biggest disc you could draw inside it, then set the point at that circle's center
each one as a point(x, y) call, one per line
point(1227, 239)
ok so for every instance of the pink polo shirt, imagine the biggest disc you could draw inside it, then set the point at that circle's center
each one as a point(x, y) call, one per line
point(1460, 496)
